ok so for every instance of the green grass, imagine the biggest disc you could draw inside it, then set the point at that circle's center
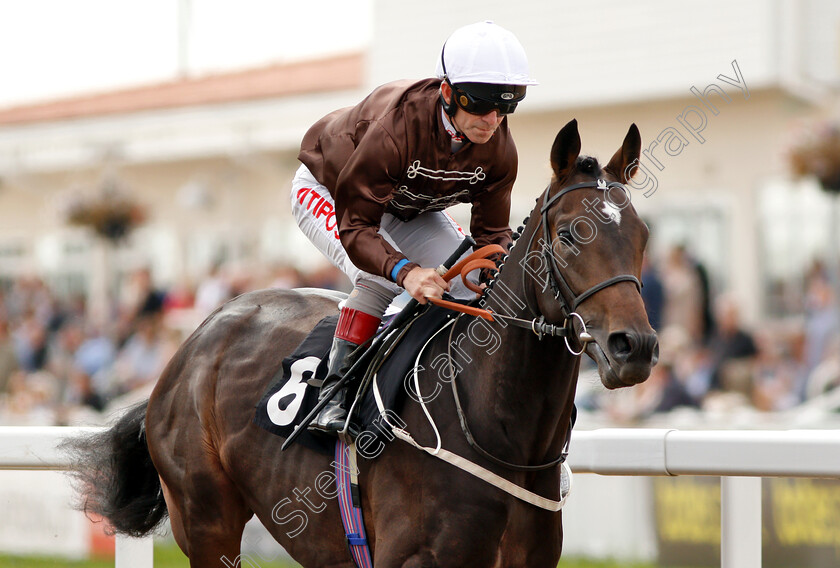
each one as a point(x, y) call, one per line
point(171, 557)
point(165, 557)
point(580, 563)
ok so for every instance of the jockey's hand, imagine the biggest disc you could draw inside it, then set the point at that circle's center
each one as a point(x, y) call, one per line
point(421, 283)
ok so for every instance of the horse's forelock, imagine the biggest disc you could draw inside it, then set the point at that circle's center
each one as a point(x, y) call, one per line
point(587, 165)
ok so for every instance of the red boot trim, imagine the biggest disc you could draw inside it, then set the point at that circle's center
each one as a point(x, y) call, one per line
point(355, 326)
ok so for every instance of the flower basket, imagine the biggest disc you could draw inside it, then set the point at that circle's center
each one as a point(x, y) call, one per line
point(110, 213)
point(819, 156)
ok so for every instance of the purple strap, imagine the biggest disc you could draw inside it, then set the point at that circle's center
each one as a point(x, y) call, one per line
point(351, 514)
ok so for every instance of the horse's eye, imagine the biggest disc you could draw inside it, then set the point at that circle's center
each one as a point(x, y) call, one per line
point(566, 236)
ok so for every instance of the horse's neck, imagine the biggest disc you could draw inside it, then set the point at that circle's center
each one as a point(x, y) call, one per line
point(523, 387)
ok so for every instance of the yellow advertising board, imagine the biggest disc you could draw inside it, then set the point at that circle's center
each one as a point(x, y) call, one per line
point(800, 517)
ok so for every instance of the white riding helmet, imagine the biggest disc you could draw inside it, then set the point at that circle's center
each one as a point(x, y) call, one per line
point(486, 67)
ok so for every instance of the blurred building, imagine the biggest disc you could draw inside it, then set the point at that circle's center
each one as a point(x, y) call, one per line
point(719, 90)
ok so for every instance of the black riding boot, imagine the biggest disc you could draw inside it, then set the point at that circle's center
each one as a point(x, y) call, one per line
point(332, 417)
point(353, 328)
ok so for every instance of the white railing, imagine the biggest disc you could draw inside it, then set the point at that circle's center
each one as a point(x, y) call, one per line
point(740, 457)
point(34, 448)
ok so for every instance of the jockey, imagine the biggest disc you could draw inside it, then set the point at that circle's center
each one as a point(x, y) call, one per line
point(376, 178)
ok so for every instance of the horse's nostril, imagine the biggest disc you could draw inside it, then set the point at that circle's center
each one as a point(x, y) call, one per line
point(630, 346)
point(620, 345)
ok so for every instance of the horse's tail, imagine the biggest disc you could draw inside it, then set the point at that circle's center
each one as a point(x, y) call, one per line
point(115, 476)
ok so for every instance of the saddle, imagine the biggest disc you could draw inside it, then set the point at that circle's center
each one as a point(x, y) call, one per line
point(291, 394)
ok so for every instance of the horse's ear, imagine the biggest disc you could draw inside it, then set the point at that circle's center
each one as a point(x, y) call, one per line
point(565, 150)
point(624, 162)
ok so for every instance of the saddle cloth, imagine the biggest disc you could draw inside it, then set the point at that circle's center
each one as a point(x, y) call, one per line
point(289, 398)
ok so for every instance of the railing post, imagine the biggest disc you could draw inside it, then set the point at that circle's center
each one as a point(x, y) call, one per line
point(134, 552)
point(740, 530)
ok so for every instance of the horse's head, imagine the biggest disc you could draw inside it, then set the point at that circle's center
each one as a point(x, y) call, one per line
point(586, 245)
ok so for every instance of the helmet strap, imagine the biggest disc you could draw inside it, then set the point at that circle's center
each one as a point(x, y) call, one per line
point(450, 107)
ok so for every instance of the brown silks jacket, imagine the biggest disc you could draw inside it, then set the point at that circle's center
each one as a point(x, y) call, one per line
point(392, 154)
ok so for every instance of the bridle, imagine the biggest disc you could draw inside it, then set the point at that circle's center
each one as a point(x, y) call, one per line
point(569, 301)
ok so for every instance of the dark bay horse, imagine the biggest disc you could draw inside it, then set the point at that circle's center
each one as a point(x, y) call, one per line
point(206, 464)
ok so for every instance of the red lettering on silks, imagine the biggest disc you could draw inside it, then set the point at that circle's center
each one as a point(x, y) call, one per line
point(331, 216)
point(301, 194)
point(313, 195)
point(325, 208)
point(337, 235)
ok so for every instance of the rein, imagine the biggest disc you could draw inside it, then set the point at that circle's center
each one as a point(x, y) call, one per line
point(540, 327)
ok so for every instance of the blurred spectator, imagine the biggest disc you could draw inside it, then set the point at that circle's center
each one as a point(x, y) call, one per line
point(689, 363)
point(732, 350)
point(29, 295)
point(653, 293)
point(31, 343)
point(140, 297)
point(672, 392)
point(683, 294)
point(662, 392)
point(285, 277)
point(94, 358)
point(55, 367)
point(821, 321)
point(821, 336)
point(825, 376)
point(73, 384)
point(707, 320)
point(330, 278)
point(180, 297)
point(143, 357)
point(696, 366)
point(779, 372)
point(212, 292)
point(8, 357)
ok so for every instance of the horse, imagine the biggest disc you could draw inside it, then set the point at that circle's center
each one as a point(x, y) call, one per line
point(192, 451)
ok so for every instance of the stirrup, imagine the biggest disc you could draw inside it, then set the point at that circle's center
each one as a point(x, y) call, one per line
point(332, 418)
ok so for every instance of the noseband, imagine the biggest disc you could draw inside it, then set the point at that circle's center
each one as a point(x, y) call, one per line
point(563, 293)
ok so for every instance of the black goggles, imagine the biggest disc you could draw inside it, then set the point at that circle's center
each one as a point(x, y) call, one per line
point(481, 99)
